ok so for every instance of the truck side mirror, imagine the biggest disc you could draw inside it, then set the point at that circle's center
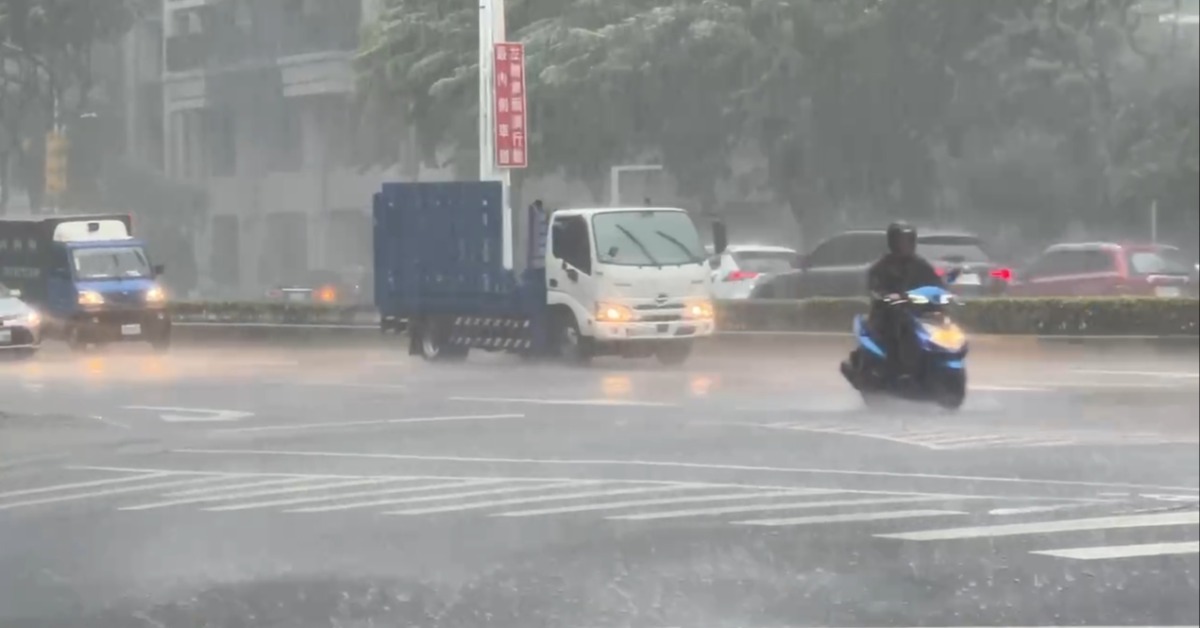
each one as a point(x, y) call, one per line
point(720, 238)
point(159, 269)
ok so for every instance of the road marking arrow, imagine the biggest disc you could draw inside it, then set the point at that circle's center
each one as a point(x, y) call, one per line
point(194, 415)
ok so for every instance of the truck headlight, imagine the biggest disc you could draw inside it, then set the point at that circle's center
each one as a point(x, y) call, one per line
point(90, 297)
point(701, 310)
point(155, 295)
point(613, 313)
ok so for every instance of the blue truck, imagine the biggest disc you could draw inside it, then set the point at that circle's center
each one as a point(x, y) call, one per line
point(90, 280)
point(627, 281)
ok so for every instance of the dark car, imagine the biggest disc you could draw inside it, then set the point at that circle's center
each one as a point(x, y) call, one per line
point(1106, 269)
point(350, 287)
point(838, 266)
point(20, 325)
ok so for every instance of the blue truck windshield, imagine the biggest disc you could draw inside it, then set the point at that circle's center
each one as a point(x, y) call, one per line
point(646, 238)
point(111, 263)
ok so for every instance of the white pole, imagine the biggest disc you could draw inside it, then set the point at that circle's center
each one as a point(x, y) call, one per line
point(1154, 222)
point(492, 31)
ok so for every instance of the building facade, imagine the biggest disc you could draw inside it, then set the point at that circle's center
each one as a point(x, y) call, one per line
point(257, 106)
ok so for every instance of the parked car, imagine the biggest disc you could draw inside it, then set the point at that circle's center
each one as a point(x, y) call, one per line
point(737, 270)
point(838, 266)
point(20, 325)
point(1101, 269)
point(323, 286)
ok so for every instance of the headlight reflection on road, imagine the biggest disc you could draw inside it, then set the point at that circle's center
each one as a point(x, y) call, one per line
point(702, 384)
point(616, 385)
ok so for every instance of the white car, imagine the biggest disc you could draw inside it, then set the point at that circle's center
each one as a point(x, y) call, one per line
point(737, 270)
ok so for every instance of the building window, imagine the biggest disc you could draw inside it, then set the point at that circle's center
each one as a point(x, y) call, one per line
point(221, 139)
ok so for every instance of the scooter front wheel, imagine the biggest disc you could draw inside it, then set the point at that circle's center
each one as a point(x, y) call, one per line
point(951, 389)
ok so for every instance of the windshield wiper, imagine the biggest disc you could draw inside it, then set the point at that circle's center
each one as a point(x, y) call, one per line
point(640, 245)
point(683, 247)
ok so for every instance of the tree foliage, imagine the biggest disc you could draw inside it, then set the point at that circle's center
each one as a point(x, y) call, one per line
point(1041, 113)
point(46, 66)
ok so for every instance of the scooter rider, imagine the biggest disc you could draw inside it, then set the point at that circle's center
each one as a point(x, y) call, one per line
point(889, 281)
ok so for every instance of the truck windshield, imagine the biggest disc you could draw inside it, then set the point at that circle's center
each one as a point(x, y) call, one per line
point(646, 238)
point(111, 263)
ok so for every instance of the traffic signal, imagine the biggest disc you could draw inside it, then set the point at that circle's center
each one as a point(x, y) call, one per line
point(56, 163)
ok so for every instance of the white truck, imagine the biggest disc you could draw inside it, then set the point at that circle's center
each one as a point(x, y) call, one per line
point(628, 281)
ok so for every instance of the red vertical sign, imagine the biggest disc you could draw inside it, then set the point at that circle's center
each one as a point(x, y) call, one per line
point(509, 65)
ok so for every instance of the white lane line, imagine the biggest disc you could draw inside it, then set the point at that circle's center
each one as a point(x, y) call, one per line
point(237, 487)
point(567, 402)
point(990, 388)
point(67, 487)
point(1046, 527)
point(313, 426)
point(654, 502)
point(353, 495)
point(446, 496)
point(547, 498)
point(107, 492)
point(1168, 374)
point(490, 478)
point(679, 465)
point(1125, 551)
point(729, 510)
point(1027, 510)
point(244, 495)
point(850, 518)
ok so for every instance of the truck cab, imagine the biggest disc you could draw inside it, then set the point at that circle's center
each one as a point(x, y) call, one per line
point(629, 281)
point(90, 279)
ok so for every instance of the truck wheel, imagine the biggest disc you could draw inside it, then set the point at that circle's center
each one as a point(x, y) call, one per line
point(573, 346)
point(434, 345)
point(673, 353)
point(75, 339)
point(161, 344)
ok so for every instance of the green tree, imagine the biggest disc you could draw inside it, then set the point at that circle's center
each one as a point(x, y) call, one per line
point(46, 68)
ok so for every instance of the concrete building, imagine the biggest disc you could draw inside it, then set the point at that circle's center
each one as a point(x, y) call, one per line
point(256, 109)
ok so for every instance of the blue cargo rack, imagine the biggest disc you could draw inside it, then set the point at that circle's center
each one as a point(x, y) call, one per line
point(439, 263)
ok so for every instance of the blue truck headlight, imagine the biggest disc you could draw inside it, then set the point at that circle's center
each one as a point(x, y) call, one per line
point(90, 297)
point(156, 295)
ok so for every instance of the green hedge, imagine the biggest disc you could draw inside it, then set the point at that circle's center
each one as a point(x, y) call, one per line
point(1076, 317)
point(1148, 316)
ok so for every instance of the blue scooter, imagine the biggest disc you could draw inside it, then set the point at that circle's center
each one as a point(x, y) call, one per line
point(940, 375)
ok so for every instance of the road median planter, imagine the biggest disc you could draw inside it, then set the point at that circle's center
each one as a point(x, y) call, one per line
point(1023, 326)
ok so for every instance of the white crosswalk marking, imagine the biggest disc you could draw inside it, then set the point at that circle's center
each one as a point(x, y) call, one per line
point(94, 483)
point(545, 498)
point(109, 492)
point(1125, 551)
point(445, 496)
point(942, 438)
point(356, 494)
point(653, 502)
point(731, 510)
point(857, 511)
point(1043, 527)
point(851, 518)
point(317, 486)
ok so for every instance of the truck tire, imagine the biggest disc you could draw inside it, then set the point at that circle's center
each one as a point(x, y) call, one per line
point(74, 338)
point(573, 347)
point(434, 336)
point(161, 343)
point(673, 353)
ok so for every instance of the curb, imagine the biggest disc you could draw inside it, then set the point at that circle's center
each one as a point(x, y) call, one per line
point(301, 335)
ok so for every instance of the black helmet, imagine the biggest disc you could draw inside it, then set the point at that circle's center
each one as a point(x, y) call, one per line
point(902, 238)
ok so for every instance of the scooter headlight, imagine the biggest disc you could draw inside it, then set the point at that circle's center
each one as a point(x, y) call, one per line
point(949, 337)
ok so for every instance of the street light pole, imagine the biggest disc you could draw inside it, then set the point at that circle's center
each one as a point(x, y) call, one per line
point(491, 32)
